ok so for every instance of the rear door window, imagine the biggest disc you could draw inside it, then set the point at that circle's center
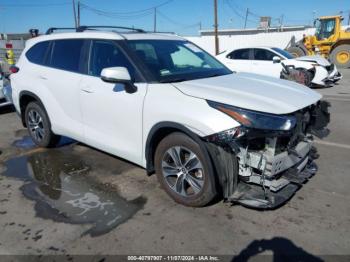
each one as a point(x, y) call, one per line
point(241, 54)
point(37, 53)
point(66, 54)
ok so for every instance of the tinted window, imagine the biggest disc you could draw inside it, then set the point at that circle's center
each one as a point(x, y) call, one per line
point(36, 54)
point(107, 54)
point(66, 54)
point(262, 54)
point(285, 53)
point(242, 54)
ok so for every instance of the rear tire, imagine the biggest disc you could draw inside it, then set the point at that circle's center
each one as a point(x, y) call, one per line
point(296, 51)
point(340, 56)
point(184, 172)
point(39, 126)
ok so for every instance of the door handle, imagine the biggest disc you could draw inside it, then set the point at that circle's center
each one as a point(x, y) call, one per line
point(87, 91)
point(42, 78)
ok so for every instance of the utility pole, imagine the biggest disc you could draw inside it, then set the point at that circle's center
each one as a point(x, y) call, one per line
point(155, 20)
point(75, 14)
point(216, 27)
point(246, 18)
point(281, 23)
point(78, 23)
point(313, 18)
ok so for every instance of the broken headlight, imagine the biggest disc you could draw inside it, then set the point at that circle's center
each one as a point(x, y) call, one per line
point(227, 135)
point(257, 120)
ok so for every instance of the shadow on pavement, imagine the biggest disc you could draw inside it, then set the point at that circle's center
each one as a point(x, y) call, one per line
point(7, 109)
point(282, 250)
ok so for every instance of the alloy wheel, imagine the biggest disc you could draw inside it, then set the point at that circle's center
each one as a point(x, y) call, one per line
point(36, 125)
point(183, 171)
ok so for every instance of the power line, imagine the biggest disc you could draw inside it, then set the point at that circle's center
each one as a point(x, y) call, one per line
point(126, 14)
point(178, 24)
point(236, 8)
point(243, 17)
point(115, 16)
point(170, 19)
point(35, 5)
point(139, 14)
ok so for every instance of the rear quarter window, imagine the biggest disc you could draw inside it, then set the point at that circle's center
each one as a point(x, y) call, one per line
point(37, 53)
point(66, 54)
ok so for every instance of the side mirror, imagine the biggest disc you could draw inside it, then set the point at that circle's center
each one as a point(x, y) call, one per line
point(120, 75)
point(276, 59)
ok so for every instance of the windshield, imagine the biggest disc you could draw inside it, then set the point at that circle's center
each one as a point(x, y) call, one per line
point(282, 52)
point(324, 28)
point(176, 61)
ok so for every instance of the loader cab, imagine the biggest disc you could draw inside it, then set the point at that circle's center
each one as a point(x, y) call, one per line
point(325, 28)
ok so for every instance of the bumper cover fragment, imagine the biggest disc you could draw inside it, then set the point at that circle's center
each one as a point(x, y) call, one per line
point(254, 196)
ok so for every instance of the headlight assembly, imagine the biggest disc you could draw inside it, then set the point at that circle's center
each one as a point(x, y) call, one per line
point(257, 120)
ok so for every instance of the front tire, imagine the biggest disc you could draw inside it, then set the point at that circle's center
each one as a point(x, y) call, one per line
point(39, 126)
point(184, 172)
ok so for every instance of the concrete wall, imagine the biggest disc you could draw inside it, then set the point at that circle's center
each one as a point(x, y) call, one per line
point(277, 39)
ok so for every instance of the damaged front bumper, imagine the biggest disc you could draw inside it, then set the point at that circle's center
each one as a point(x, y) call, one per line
point(334, 74)
point(264, 168)
point(279, 178)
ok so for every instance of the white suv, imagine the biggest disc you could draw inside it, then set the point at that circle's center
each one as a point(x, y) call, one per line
point(161, 102)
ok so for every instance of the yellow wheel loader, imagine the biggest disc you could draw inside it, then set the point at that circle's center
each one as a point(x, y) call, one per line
point(330, 40)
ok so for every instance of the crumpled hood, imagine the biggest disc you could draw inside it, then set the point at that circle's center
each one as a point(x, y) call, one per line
point(254, 92)
point(316, 59)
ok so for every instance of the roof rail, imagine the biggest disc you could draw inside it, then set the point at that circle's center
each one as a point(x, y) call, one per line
point(53, 29)
point(84, 28)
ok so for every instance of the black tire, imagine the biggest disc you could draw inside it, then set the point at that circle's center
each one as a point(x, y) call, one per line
point(345, 49)
point(48, 138)
point(307, 77)
point(208, 188)
point(296, 51)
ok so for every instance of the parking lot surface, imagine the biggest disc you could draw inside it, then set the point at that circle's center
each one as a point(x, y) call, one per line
point(77, 200)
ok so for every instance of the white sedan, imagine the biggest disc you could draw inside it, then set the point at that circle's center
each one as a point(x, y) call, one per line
point(275, 62)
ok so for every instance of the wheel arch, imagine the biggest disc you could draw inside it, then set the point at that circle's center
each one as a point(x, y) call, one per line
point(339, 43)
point(158, 132)
point(25, 97)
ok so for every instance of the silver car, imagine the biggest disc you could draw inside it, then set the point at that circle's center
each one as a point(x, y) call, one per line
point(5, 92)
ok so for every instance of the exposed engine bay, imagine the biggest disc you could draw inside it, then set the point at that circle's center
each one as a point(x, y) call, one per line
point(264, 168)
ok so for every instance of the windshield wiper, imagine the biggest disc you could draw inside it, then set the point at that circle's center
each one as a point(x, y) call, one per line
point(214, 75)
point(175, 80)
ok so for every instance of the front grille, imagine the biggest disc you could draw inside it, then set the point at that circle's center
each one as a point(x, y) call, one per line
point(330, 68)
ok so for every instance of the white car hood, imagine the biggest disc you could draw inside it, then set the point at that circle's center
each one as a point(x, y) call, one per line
point(254, 92)
point(315, 58)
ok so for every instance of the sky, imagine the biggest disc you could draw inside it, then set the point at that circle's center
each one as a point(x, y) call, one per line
point(181, 16)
